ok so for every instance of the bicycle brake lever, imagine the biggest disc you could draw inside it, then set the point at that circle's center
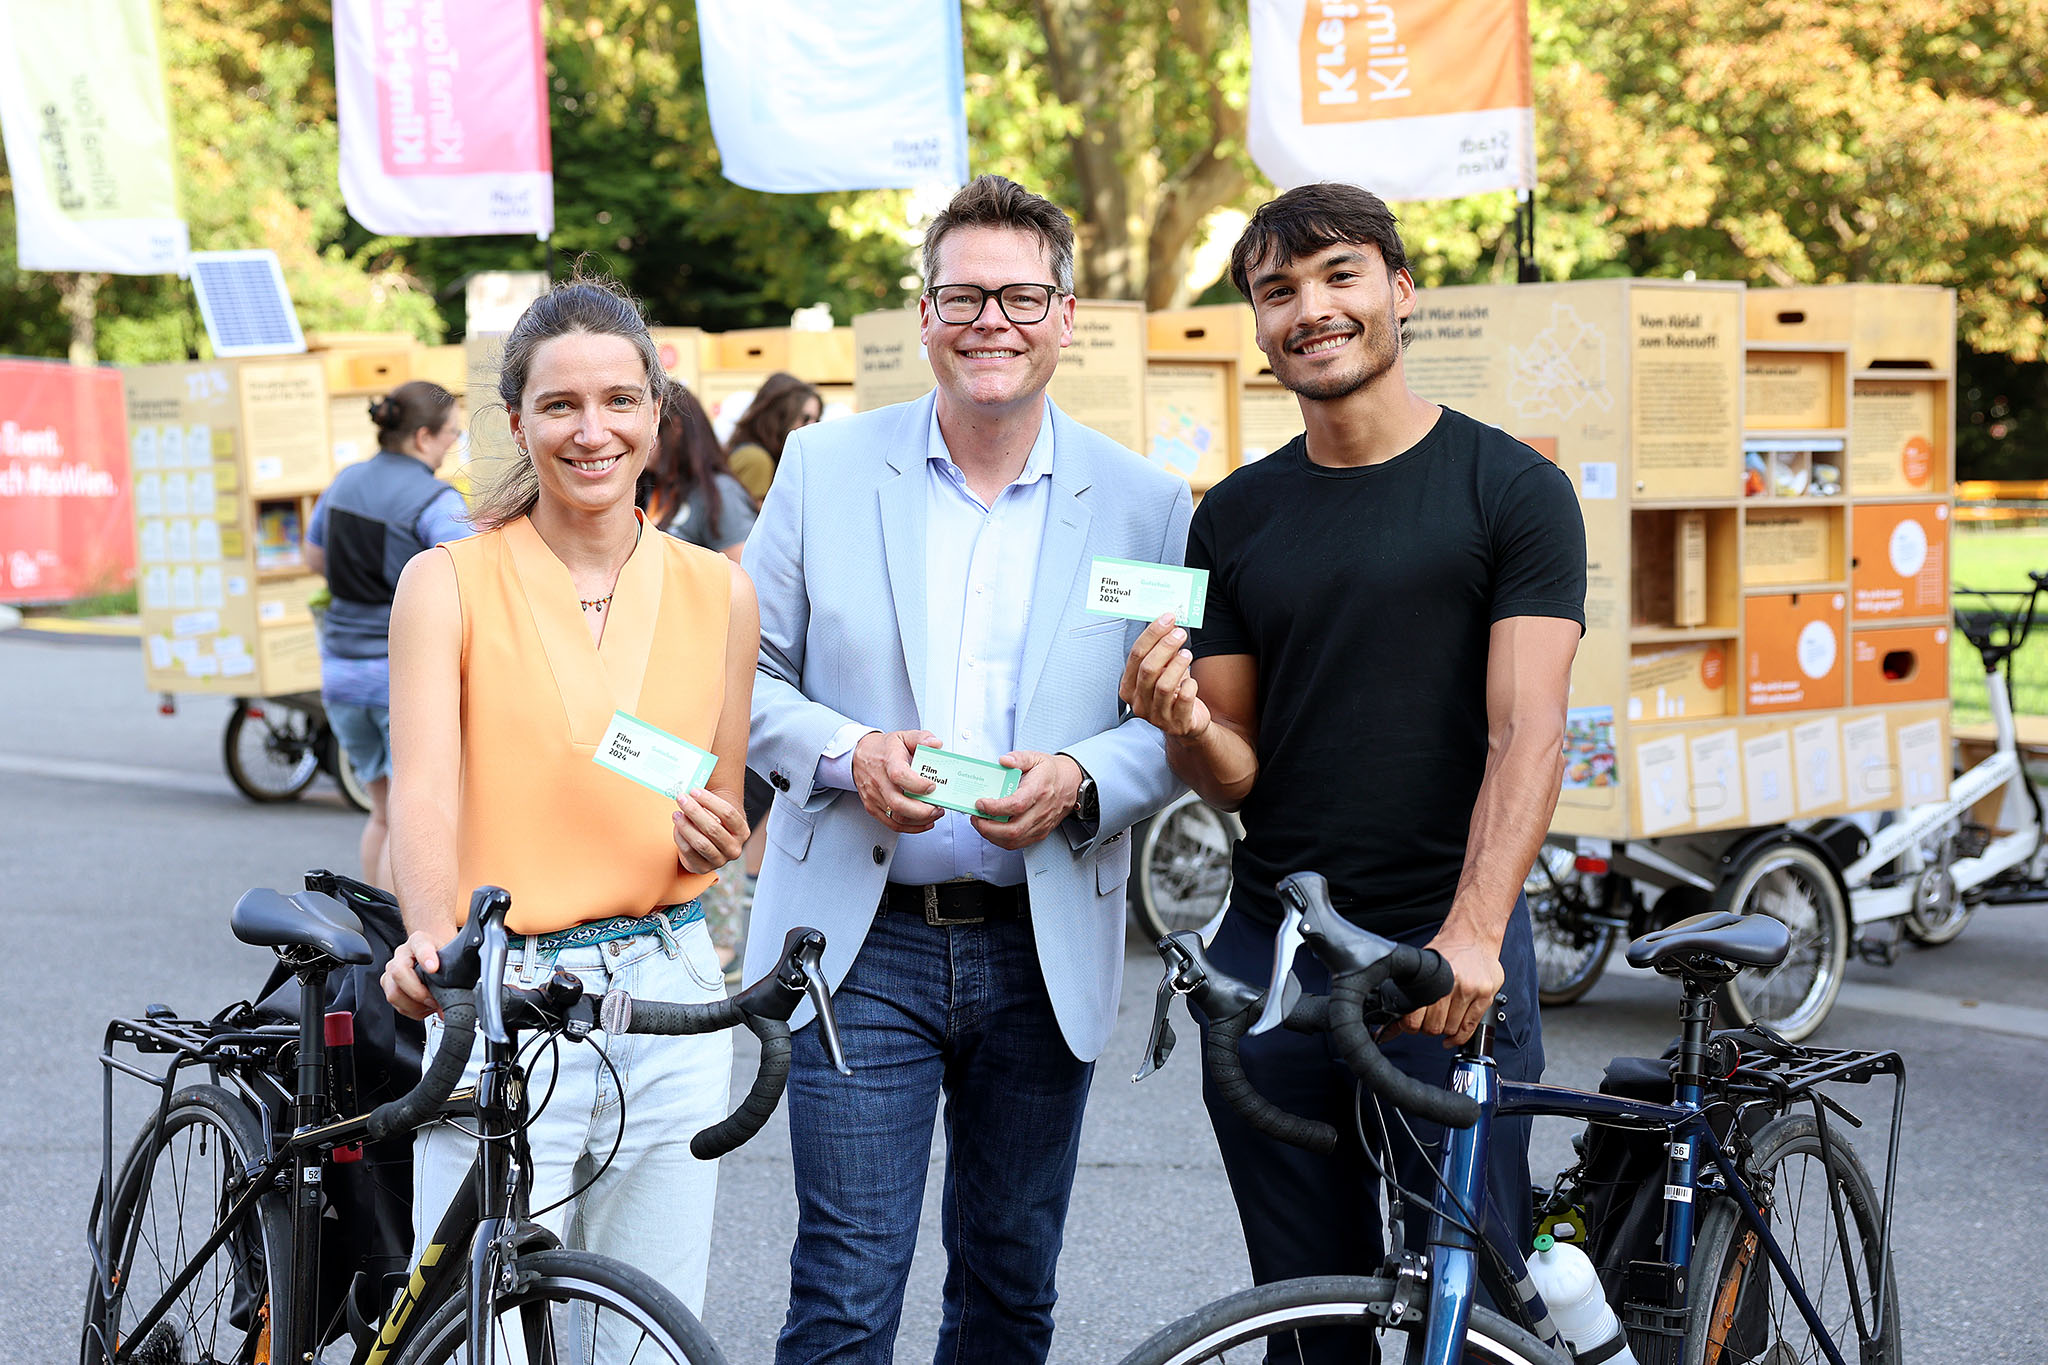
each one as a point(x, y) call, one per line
point(809, 960)
point(1183, 974)
point(1286, 944)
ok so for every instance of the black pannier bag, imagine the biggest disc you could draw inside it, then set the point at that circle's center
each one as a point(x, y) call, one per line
point(366, 1227)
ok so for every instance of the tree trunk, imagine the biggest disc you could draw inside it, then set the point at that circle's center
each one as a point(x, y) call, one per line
point(1084, 72)
point(1139, 219)
point(80, 303)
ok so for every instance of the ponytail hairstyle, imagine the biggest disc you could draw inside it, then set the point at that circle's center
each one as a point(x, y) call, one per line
point(596, 307)
point(400, 414)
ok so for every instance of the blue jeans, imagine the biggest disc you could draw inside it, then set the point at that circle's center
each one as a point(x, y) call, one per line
point(1305, 1214)
point(926, 1010)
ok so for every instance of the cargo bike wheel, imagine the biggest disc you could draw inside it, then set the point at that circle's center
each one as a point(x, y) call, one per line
point(272, 747)
point(1787, 880)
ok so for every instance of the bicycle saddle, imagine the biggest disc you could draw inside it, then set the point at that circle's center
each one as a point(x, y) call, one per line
point(1705, 944)
point(306, 920)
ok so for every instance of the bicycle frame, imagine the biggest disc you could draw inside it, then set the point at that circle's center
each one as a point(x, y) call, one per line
point(1454, 1255)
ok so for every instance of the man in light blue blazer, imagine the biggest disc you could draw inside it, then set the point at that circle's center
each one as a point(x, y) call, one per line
point(921, 571)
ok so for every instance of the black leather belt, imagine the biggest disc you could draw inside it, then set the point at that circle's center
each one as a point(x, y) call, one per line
point(959, 902)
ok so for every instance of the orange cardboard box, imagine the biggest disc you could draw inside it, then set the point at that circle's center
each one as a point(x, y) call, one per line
point(1898, 663)
point(1899, 560)
point(1793, 652)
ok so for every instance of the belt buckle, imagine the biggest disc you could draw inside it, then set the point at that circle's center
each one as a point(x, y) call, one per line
point(937, 920)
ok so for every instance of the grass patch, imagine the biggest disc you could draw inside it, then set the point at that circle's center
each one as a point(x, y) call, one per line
point(118, 603)
point(1996, 560)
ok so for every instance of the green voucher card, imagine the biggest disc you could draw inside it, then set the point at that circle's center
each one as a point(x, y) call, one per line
point(962, 781)
point(654, 758)
point(1143, 592)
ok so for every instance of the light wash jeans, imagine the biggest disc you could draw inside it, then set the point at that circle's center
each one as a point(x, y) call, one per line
point(652, 1206)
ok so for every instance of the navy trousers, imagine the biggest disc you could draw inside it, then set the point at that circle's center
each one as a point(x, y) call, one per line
point(930, 1013)
point(1305, 1214)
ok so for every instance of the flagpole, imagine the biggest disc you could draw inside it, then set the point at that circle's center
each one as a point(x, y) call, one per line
point(1526, 269)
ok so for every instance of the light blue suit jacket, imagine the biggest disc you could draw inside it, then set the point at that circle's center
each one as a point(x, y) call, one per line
point(838, 561)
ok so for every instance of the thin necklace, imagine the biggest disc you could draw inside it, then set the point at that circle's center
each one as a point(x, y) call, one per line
point(600, 604)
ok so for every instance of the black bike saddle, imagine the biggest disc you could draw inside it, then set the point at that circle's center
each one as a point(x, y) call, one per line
point(1720, 938)
point(306, 920)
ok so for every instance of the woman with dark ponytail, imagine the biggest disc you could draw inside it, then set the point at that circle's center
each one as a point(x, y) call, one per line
point(687, 490)
point(374, 517)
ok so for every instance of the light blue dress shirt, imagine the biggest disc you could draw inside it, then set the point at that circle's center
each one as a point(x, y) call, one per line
point(981, 563)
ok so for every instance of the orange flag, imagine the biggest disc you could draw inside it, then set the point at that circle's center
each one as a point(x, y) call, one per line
point(1413, 99)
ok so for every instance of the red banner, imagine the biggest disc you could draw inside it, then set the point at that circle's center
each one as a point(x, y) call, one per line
point(67, 517)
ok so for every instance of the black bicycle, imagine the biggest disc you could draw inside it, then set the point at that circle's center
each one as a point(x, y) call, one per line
point(206, 1243)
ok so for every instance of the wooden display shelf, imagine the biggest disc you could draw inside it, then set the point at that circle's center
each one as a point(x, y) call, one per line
point(1779, 589)
point(1795, 433)
point(1863, 376)
point(1680, 635)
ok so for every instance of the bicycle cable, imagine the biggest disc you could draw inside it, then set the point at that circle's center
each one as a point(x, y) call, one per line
point(541, 1037)
point(1501, 1269)
point(618, 1138)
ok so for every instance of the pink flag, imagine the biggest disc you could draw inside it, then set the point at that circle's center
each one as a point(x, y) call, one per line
point(444, 116)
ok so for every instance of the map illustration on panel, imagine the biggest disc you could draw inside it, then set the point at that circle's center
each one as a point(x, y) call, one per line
point(1561, 370)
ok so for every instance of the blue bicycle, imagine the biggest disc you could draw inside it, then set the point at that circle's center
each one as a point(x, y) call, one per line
point(1756, 1237)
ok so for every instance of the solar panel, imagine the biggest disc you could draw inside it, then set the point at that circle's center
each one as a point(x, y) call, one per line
point(243, 300)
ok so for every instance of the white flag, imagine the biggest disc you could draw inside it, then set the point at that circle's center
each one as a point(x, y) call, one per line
point(444, 117)
point(88, 134)
point(815, 95)
point(1412, 99)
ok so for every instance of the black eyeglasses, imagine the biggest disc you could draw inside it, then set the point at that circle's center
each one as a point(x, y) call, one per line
point(1022, 304)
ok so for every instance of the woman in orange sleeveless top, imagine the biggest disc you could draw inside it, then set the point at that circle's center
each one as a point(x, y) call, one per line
point(513, 653)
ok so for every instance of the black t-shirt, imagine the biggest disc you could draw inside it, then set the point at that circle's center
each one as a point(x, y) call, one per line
point(1366, 596)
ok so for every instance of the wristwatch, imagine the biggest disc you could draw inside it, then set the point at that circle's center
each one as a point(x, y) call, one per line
point(1087, 806)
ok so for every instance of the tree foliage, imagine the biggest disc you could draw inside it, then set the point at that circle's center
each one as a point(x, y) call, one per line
point(1773, 141)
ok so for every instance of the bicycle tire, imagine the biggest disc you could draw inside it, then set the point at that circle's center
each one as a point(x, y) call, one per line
point(1181, 873)
point(1570, 954)
point(242, 1287)
point(558, 1279)
point(1792, 883)
point(1245, 1322)
point(1741, 1309)
point(263, 773)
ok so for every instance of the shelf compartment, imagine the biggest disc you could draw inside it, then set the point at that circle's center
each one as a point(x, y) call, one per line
point(1796, 388)
point(1787, 544)
point(1899, 561)
point(1684, 570)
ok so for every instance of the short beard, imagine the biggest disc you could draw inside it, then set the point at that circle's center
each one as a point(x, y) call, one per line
point(1378, 360)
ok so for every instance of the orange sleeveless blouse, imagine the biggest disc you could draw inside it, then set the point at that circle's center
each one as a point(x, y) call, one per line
point(572, 841)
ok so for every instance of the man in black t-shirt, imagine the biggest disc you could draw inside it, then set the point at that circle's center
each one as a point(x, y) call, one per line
point(1379, 687)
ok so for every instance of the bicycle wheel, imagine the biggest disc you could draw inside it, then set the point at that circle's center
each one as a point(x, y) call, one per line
point(269, 750)
point(561, 1302)
point(1183, 868)
point(1792, 884)
point(1742, 1310)
point(1571, 950)
point(1275, 1317)
point(169, 1199)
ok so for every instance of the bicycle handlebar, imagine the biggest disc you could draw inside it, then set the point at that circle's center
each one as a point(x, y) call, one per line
point(765, 1008)
point(1372, 981)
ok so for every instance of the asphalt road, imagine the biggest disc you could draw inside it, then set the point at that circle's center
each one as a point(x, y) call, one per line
point(122, 846)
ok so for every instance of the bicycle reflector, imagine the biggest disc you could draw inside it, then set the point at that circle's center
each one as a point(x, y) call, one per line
point(1592, 867)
